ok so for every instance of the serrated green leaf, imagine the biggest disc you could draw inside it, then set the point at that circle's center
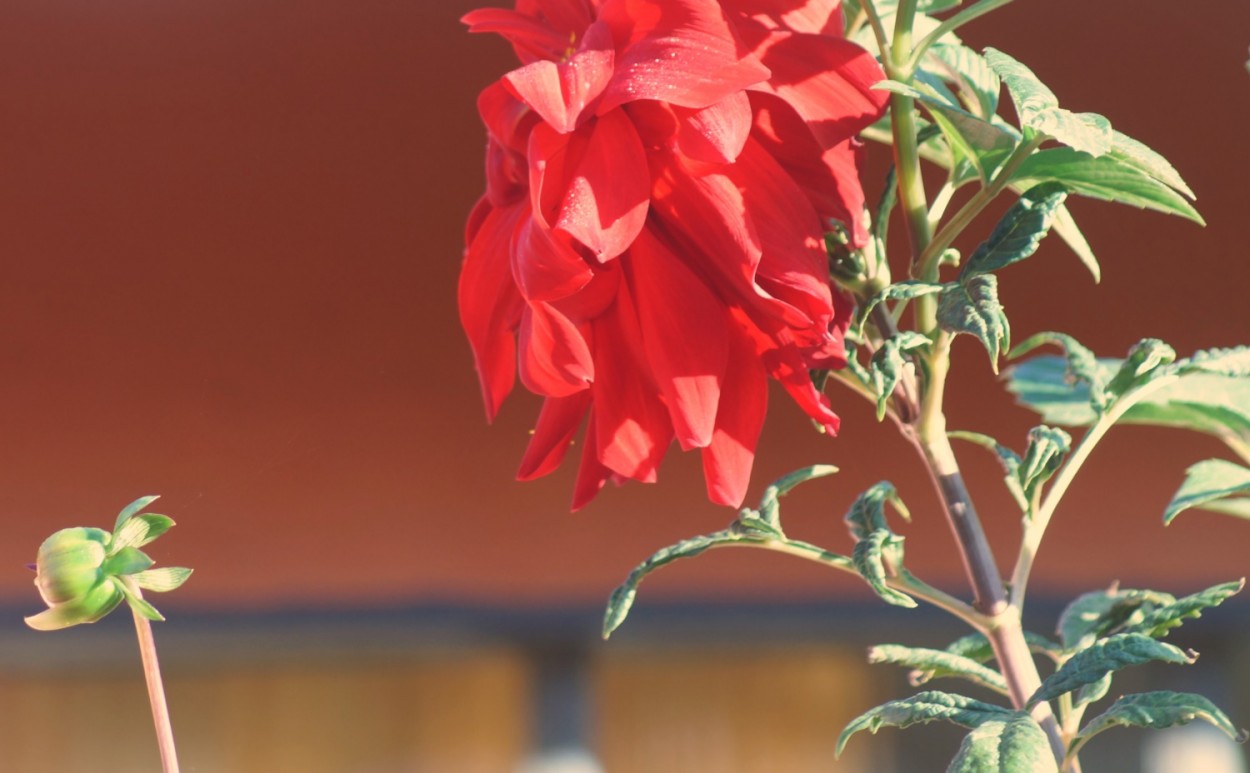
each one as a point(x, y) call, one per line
point(1156, 710)
point(906, 290)
point(929, 664)
point(972, 75)
point(1209, 482)
point(1087, 132)
point(1198, 401)
point(162, 580)
point(1047, 447)
point(770, 504)
point(133, 508)
point(1092, 692)
point(888, 363)
point(1027, 91)
point(128, 560)
point(1081, 366)
point(1019, 231)
point(1233, 362)
point(1105, 177)
point(1094, 615)
point(1143, 158)
point(921, 708)
point(1104, 657)
point(1143, 364)
point(871, 556)
point(1161, 618)
point(622, 599)
point(971, 307)
point(139, 530)
point(1014, 745)
point(867, 512)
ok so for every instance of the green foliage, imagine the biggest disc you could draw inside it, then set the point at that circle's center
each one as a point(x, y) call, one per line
point(1214, 484)
point(1039, 111)
point(888, 364)
point(83, 574)
point(1106, 656)
point(751, 527)
point(1142, 365)
point(1156, 710)
point(975, 646)
point(1209, 393)
point(1047, 447)
point(906, 290)
point(1066, 228)
point(976, 80)
point(878, 550)
point(929, 664)
point(1019, 232)
point(1157, 619)
point(1016, 744)
point(921, 708)
point(1107, 177)
point(971, 307)
point(1094, 615)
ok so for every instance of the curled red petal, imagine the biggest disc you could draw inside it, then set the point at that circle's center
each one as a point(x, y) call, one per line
point(562, 92)
point(545, 266)
point(683, 52)
point(716, 133)
point(490, 307)
point(557, 423)
point(684, 334)
point(555, 358)
point(606, 187)
point(591, 473)
point(828, 81)
point(727, 461)
point(633, 429)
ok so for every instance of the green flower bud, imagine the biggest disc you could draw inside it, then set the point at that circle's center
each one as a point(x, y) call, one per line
point(84, 573)
point(70, 563)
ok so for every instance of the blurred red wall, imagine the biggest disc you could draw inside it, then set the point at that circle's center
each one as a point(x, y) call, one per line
point(230, 237)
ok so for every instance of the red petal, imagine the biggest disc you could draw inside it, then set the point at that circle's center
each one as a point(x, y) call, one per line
point(490, 306)
point(555, 359)
point(507, 118)
point(784, 362)
point(822, 17)
point(607, 187)
point(545, 266)
point(557, 422)
point(633, 427)
point(683, 52)
point(827, 80)
point(562, 92)
point(685, 338)
point(717, 133)
point(591, 474)
point(744, 402)
point(530, 36)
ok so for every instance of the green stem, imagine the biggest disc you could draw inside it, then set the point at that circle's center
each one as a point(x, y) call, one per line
point(952, 24)
point(878, 30)
point(1035, 529)
point(904, 581)
point(932, 255)
point(156, 694)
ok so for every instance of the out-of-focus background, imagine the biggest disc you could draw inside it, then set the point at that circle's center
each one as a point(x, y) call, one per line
point(229, 238)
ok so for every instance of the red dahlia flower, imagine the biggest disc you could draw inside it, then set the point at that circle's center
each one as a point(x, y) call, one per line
point(660, 174)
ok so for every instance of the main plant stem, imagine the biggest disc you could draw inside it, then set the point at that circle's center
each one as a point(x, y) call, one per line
point(1002, 620)
point(156, 694)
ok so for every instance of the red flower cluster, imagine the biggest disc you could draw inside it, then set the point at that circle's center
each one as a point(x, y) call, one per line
point(650, 245)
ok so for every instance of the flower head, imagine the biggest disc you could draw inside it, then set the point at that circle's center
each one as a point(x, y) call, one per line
point(649, 250)
point(84, 573)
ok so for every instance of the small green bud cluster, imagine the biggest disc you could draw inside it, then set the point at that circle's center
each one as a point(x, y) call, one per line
point(83, 573)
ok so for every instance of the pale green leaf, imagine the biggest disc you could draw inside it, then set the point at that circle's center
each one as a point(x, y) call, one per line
point(1096, 614)
point(1016, 744)
point(1138, 155)
point(906, 290)
point(971, 307)
point(769, 501)
point(870, 557)
point(867, 512)
point(1029, 94)
point(139, 530)
point(1067, 229)
point(1087, 132)
point(1213, 481)
point(1233, 362)
point(1158, 619)
point(929, 706)
point(1145, 362)
point(1104, 657)
point(162, 580)
point(128, 560)
point(1047, 447)
point(622, 599)
point(888, 364)
point(929, 664)
point(1156, 710)
point(1081, 367)
point(972, 75)
point(134, 598)
point(1105, 177)
point(133, 508)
